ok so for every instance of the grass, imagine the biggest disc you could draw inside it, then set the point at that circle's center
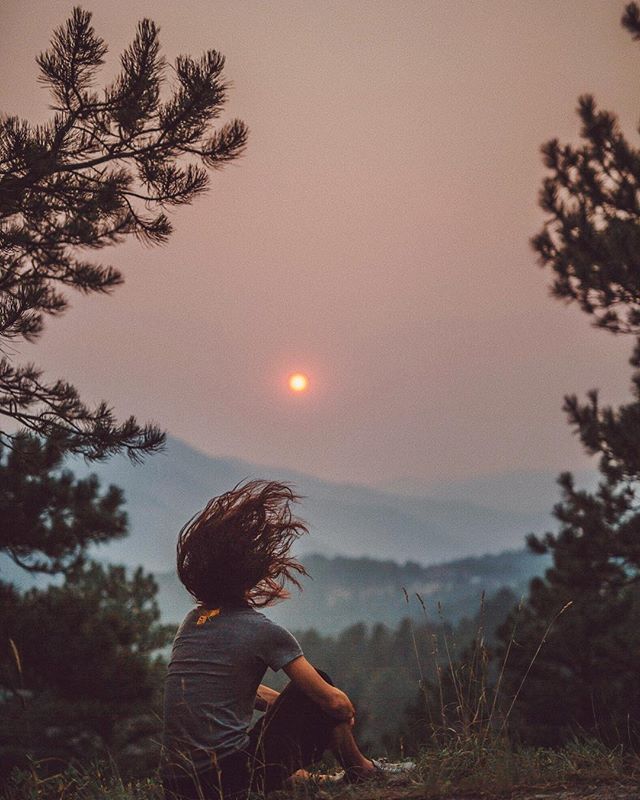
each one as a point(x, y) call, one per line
point(94, 782)
point(467, 749)
point(494, 767)
point(473, 768)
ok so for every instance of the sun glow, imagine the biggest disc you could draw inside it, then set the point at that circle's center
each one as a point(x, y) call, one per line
point(298, 382)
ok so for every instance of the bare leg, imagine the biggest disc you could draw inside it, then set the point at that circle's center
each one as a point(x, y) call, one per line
point(295, 731)
point(348, 753)
point(346, 750)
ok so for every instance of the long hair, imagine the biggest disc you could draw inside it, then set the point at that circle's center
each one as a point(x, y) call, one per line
point(237, 547)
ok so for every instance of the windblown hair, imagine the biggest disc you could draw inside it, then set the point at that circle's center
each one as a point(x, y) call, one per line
point(237, 547)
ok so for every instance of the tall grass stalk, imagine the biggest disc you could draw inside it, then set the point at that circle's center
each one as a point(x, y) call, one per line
point(496, 691)
point(423, 683)
point(533, 659)
point(470, 751)
point(475, 700)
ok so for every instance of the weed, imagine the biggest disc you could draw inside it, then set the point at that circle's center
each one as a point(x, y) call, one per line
point(97, 781)
point(463, 703)
point(480, 765)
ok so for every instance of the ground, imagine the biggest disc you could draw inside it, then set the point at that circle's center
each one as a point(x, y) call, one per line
point(618, 790)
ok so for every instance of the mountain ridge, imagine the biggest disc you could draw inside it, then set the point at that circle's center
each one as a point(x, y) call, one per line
point(341, 592)
point(345, 519)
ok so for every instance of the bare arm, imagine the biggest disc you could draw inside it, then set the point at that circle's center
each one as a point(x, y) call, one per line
point(330, 699)
point(265, 697)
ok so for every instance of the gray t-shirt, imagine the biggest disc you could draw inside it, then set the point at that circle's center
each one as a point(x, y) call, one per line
point(217, 663)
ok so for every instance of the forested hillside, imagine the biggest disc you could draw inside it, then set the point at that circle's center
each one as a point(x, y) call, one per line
point(341, 592)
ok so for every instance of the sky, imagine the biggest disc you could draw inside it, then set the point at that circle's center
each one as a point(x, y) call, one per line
point(374, 236)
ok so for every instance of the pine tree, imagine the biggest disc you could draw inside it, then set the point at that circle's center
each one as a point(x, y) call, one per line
point(591, 242)
point(48, 518)
point(581, 672)
point(572, 666)
point(79, 673)
point(107, 166)
point(78, 667)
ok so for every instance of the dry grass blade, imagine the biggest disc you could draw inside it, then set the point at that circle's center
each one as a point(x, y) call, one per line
point(16, 656)
point(496, 692)
point(531, 663)
point(455, 678)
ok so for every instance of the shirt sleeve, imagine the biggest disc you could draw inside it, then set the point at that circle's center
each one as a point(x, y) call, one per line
point(279, 647)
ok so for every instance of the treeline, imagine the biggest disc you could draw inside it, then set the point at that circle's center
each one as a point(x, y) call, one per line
point(539, 680)
point(339, 592)
point(345, 591)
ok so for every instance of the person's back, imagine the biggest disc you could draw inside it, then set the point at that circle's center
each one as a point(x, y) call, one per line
point(218, 660)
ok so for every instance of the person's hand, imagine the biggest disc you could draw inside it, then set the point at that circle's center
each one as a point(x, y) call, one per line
point(265, 697)
point(341, 707)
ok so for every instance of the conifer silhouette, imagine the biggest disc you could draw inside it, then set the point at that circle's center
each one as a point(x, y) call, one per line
point(584, 676)
point(108, 165)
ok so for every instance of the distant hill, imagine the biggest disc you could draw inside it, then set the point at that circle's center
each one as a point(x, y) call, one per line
point(344, 591)
point(345, 520)
point(520, 491)
point(459, 539)
point(340, 591)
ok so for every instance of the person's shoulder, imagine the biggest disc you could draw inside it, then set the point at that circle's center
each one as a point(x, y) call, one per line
point(188, 621)
point(261, 621)
point(278, 645)
point(190, 616)
point(252, 616)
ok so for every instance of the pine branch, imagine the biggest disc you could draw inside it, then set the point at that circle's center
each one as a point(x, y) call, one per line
point(102, 169)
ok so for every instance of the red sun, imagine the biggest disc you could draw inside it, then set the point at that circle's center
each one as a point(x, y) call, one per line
point(298, 382)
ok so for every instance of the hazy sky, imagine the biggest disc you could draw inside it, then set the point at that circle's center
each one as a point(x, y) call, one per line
point(375, 235)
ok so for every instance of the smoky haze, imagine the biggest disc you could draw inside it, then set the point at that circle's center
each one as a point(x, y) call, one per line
point(374, 236)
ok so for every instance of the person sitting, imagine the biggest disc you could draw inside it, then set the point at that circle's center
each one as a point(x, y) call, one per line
point(234, 557)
